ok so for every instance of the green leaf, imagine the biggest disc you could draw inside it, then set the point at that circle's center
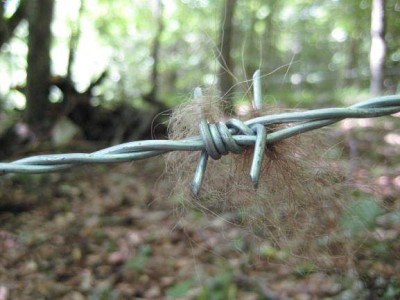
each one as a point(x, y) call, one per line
point(138, 262)
point(180, 289)
point(392, 290)
point(304, 269)
point(360, 215)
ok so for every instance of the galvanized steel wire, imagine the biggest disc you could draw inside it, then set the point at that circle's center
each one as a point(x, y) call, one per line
point(301, 122)
point(215, 139)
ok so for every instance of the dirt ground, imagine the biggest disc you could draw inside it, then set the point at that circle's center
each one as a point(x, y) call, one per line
point(115, 232)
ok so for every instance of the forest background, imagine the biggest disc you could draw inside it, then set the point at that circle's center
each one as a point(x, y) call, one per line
point(83, 74)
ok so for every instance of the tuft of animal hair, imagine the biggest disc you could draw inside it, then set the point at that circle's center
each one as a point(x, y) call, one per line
point(300, 195)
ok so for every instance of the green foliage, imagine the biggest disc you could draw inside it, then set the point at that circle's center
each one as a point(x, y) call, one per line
point(324, 44)
point(360, 215)
point(139, 261)
point(273, 253)
point(219, 287)
point(238, 244)
point(304, 269)
point(180, 289)
point(392, 291)
point(104, 294)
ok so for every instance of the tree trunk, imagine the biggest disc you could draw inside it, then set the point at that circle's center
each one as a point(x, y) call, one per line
point(251, 41)
point(152, 96)
point(350, 73)
point(155, 52)
point(378, 46)
point(74, 39)
point(224, 57)
point(8, 26)
point(40, 14)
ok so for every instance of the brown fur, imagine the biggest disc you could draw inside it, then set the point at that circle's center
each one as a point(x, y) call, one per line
point(300, 196)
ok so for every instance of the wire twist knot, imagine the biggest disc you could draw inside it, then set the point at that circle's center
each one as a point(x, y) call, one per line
point(218, 137)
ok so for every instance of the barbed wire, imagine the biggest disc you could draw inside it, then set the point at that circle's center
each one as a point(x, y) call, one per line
point(215, 139)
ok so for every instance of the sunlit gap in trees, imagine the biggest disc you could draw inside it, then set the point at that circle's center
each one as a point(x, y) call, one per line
point(325, 47)
point(92, 57)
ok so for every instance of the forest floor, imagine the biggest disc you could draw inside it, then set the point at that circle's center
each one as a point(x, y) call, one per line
point(114, 232)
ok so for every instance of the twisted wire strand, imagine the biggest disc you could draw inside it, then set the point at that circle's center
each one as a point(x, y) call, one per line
point(215, 140)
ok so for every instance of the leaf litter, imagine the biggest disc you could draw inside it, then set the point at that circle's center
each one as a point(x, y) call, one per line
point(114, 233)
